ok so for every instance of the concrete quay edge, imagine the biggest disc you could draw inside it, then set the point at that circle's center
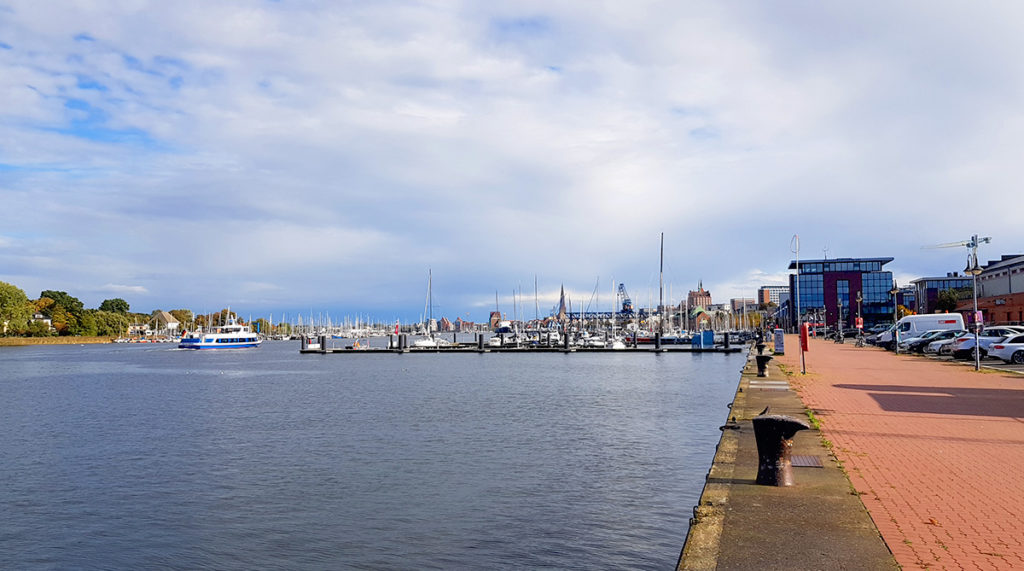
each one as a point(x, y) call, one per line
point(818, 523)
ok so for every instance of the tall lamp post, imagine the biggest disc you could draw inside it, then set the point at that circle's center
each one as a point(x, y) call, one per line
point(795, 247)
point(975, 270)
point(895, 319)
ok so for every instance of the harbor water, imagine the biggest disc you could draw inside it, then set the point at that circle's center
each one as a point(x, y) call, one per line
point(142, 456)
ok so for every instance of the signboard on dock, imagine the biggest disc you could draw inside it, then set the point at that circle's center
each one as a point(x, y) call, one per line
point(780, 342)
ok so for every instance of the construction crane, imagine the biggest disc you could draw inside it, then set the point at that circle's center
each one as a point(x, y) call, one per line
point(623, 300)
point(974, 269)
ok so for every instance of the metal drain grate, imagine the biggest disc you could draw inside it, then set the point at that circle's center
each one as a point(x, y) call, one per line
point(802, 461)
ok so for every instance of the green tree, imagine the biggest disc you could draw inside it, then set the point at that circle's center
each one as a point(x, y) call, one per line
point(38, 329)
point(70, 303)
point(262, 326)
point(116, 305)
point(15, 310)
point(109, 323)
point(85, 325)
point(947, 301)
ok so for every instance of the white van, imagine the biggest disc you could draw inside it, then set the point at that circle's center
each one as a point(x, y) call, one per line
point(915, 325)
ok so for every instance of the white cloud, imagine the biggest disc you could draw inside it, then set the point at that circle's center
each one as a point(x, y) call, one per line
point(124, 289)
point(327, 154)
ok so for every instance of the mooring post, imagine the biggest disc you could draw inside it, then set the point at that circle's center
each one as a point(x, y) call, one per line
point(774, 435)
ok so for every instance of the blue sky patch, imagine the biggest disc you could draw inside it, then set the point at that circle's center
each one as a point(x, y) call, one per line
point(84, 37)
point(520, 28)
point(5, 46)
point(86, 82)
point(703, 134)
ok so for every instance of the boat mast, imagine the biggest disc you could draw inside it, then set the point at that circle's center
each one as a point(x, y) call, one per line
point(536, 300)
point(661, 287)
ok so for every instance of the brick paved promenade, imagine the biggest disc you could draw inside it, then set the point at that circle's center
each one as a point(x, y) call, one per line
point(936, 450)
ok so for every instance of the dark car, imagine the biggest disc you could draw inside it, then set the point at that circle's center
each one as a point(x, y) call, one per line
point(919, 345)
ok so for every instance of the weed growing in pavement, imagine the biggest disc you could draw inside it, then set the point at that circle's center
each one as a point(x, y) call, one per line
point(815, 423)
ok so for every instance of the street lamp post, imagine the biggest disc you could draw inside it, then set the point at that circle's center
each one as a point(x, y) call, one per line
point(975, 270)
point(895, 319)
point(839, 318)
point(860, 322)
point(795, 247)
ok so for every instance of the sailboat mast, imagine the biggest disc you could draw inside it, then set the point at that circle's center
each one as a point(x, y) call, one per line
point(536, 300)
point(661, 286)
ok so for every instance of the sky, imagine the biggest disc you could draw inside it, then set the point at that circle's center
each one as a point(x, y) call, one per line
point(323, 157)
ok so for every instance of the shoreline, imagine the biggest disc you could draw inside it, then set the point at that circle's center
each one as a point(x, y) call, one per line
point(68, 340)
point(819, 522)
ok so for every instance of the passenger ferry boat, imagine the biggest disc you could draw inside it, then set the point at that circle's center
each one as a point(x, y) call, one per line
point(230, 336)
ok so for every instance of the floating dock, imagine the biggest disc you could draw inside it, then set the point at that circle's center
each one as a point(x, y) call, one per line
point(320, 346)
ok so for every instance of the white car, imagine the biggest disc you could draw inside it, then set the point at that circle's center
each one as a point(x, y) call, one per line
point(963, 347)
point(944, 346)
point(1009, 349)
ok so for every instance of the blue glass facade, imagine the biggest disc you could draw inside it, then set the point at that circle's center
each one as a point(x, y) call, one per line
point(828, 290)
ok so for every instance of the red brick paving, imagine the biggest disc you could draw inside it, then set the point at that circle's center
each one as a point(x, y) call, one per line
point(935, 449)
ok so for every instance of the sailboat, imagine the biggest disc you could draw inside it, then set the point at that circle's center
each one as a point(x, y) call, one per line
point(430, 342)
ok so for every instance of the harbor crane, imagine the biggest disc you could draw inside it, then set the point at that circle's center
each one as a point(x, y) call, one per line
point(623, 299)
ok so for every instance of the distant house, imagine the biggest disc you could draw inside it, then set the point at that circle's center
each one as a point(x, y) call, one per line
point(40, 318)
point(164, 322)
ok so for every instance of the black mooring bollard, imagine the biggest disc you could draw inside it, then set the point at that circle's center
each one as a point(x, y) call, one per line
point(760, 347)
point(725, 339)
point(762, 364)
point(774, 435)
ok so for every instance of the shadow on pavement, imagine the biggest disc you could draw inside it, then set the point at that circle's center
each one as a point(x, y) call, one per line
point(945, 400)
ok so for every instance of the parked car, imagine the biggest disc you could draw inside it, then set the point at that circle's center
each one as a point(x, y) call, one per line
point(925, 345)
point(963, 348)
point(944, 346)
point(913, 325)
point(1009, 349)
point(918, 344)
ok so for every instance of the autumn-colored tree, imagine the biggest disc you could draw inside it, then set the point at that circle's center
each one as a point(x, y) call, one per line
point(63, 321)
point(70, 303)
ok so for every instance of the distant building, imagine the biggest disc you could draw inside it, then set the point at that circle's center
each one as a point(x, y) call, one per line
point(1000, 292)
point(163, 322)
point(495, 319)
point(741, 304)
point(697, 302)
point(926, 290)
point(462, 325)
point(1002, 277)
point(699, 297)
point(828, 290)
point(771, 294)
point(445, 325)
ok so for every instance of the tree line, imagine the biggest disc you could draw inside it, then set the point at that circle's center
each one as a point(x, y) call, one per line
point(67, 315)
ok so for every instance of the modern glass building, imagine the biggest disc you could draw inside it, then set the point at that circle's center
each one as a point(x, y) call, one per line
point(927, 290)
point(828, 290)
